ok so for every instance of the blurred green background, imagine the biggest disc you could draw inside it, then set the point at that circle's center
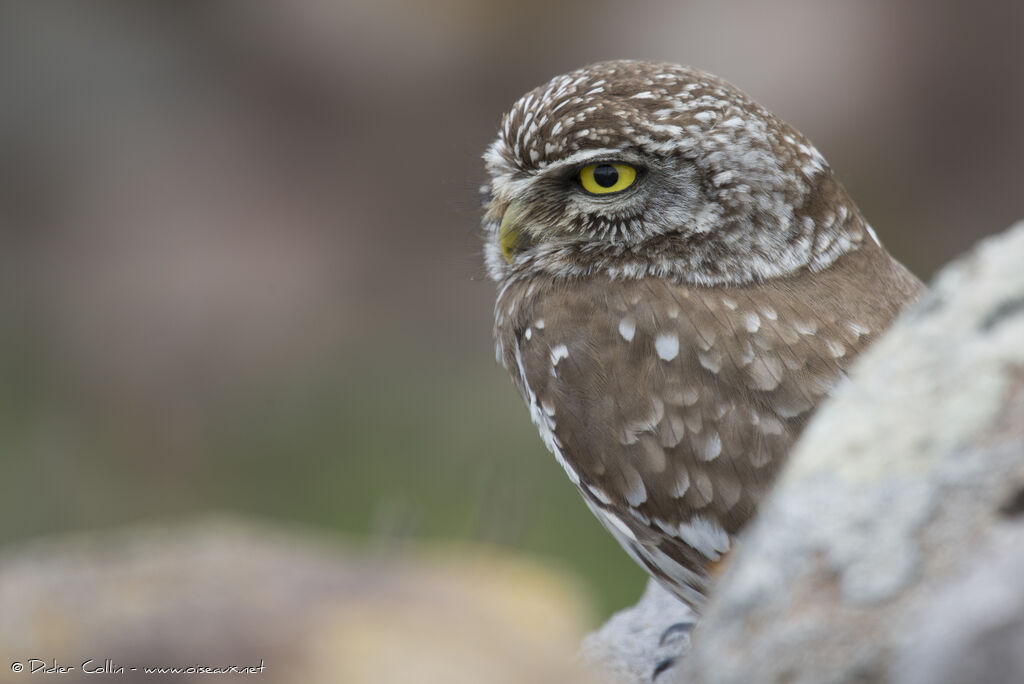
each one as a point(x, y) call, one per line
point(239, 261)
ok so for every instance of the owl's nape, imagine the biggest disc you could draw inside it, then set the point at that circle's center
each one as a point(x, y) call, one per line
point(682, 280)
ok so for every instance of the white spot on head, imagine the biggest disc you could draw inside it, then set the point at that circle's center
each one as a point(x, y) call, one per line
point(627, 328)
point(667, 346)
point(539, 324)
point(558, 353)
point(723, 177)
point(529, 333)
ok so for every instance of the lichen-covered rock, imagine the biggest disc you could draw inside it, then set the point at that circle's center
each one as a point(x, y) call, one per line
point(972, 628)
point(885, 553)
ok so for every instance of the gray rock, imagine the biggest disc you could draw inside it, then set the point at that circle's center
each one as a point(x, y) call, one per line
point(972, 628)
point(902, 484)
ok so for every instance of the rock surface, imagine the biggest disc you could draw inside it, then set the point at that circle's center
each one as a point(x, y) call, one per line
point(890, 550)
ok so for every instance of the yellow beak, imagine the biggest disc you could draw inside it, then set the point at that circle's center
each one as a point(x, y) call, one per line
point(510, 235)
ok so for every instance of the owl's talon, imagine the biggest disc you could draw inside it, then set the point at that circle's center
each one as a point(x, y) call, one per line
point(662, 666)
point(674, 631)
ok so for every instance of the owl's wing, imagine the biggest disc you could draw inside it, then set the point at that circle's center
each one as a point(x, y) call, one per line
point(674, 406)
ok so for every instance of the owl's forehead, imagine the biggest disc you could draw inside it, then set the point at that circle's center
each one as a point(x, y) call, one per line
point(657, 107)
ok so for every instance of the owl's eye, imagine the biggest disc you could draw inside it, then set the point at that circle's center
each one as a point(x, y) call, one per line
point(602, 179)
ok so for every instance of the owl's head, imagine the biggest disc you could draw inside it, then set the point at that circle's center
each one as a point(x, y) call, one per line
point(644, 168)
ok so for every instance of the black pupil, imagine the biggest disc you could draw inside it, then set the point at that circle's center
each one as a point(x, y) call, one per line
point(606, 176)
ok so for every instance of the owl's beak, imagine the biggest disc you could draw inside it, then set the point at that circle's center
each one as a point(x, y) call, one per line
point(511, 235)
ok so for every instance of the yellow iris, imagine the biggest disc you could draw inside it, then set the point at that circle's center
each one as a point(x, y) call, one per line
point(602, 179)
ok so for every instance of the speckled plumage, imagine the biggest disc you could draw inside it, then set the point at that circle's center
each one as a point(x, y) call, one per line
point(672, 340)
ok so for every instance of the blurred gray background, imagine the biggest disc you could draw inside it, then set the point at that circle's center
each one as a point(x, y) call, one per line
point(239, 261)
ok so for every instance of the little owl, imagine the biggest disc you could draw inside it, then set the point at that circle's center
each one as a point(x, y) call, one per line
point(681, 281)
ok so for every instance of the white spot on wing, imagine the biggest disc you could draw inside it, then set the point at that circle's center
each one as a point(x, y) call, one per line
point(805, 327)
point(672, 431)
point(616, 522)
point(712, 360)
point(558, 353)
point(703, 485)
point(634, 489)
point(706, 536)
point(712, 447)
point(874, 235)
point(544, 424)
point(667, 346)
point(680, 484)
point(599, 494)
point(627, 328)
point(857, 329)
point(752, 322)
point(836, 349)
point(768, 424)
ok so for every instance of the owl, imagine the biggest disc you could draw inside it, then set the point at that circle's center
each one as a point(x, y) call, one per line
point(681, 281)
